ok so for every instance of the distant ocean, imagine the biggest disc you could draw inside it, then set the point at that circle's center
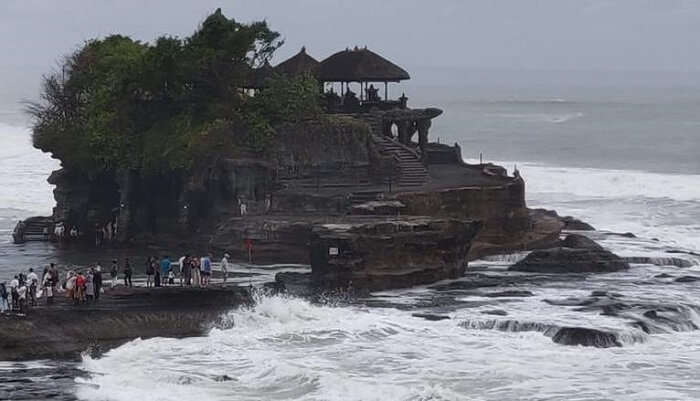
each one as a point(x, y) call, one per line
point(625, 159)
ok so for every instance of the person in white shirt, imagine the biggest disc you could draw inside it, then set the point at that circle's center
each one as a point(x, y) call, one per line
point(224, 266)
point(181, 262)
point(32, 276)
point(22, 298)
point(48, 289)
point(32, 283)
point(14, 285)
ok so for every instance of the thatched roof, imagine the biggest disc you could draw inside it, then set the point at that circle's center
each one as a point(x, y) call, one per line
point(360, 65)
point(299, 64)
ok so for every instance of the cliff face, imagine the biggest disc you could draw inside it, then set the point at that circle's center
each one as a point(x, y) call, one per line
point(148, 206)
point(390, 253)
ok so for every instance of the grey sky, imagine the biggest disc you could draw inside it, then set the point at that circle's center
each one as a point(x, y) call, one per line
point(602, 35)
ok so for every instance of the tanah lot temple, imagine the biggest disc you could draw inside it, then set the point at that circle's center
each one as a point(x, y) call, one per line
point(361, 194)
point(362, 68)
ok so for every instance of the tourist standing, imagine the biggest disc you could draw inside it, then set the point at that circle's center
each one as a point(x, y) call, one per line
point(127, 273)
point(181, 266)
point(149, 272)
point(187, 270)
point(48, 288)
point(33, 281)
point(79, 290)
point(196, 277)
point(97, 281)
point(70, 284)
point(224, 266)
point(164, 268)
point(113, 272)
point(89, 286)
point(4, 295)
point(22, 298)
point(55, 279)
point(156, 269)
point(206, 269)
point(14, 285)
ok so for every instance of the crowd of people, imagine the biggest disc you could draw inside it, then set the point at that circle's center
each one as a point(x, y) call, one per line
point(24, 289)
point(84, 286)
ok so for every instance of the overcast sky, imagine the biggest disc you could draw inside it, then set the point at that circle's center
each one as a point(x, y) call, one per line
point(456, 35)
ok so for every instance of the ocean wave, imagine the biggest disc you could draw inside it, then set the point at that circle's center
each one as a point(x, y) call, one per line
point(552, 118)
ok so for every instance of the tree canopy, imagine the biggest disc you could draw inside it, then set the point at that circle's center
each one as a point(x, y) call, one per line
point(162, 106)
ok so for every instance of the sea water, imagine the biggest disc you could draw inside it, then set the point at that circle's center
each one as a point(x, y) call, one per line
point(622, 160)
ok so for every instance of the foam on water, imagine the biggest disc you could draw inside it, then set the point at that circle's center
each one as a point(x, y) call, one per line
point(23, 187)
point(651, 205)
point(286, 348)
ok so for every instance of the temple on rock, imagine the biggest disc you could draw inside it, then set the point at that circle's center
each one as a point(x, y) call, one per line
point(360, 191)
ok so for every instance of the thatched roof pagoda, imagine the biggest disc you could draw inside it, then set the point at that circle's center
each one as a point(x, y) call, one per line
point(299, 64)
point(360, 65)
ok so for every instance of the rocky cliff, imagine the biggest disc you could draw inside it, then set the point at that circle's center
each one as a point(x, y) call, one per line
point(380, 254)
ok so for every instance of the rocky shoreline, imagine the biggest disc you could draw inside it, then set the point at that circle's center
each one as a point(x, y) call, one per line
point(65, 330)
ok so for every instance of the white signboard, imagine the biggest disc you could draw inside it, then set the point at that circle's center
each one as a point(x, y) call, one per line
point(333, 251)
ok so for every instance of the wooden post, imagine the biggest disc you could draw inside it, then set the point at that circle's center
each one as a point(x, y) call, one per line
point(386, 91)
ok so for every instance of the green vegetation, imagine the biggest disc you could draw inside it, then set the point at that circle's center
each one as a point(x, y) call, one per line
point(164, 106)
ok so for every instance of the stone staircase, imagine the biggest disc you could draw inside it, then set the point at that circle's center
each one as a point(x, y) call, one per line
point(412, 171)
point(33, 230)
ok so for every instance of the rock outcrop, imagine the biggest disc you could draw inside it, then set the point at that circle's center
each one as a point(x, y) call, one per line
point(66, 330)
point(575, 254)
point(570, 223)
point(379, 254)
point(585, 337)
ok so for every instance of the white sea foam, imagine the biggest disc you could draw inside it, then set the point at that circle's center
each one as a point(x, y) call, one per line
point(286, 348)
point(23, 187)
point(651, 205)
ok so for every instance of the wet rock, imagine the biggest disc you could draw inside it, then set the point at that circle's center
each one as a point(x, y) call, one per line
point(663, 275)
point(222, 378)
point(121, 315)
point(570, 223)
point(377, 253)
point(569, 260)
point(509, 293)
point(585, 337)
point(577, 241)
point(495, 312)
point(687, 279)
point(431, 317)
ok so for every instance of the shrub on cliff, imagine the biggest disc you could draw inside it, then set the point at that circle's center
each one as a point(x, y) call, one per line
point(122, 104)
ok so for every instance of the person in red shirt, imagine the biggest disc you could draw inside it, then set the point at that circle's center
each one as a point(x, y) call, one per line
point(80, 288)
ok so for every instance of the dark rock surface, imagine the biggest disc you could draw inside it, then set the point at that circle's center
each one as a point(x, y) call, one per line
point(570, 223)
point(431, 317)
point(586, 337)
point(65, 330)
point(687, 279)
point(584, 257)
point(578, 241)
point(495, 312)
point(382, 253)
